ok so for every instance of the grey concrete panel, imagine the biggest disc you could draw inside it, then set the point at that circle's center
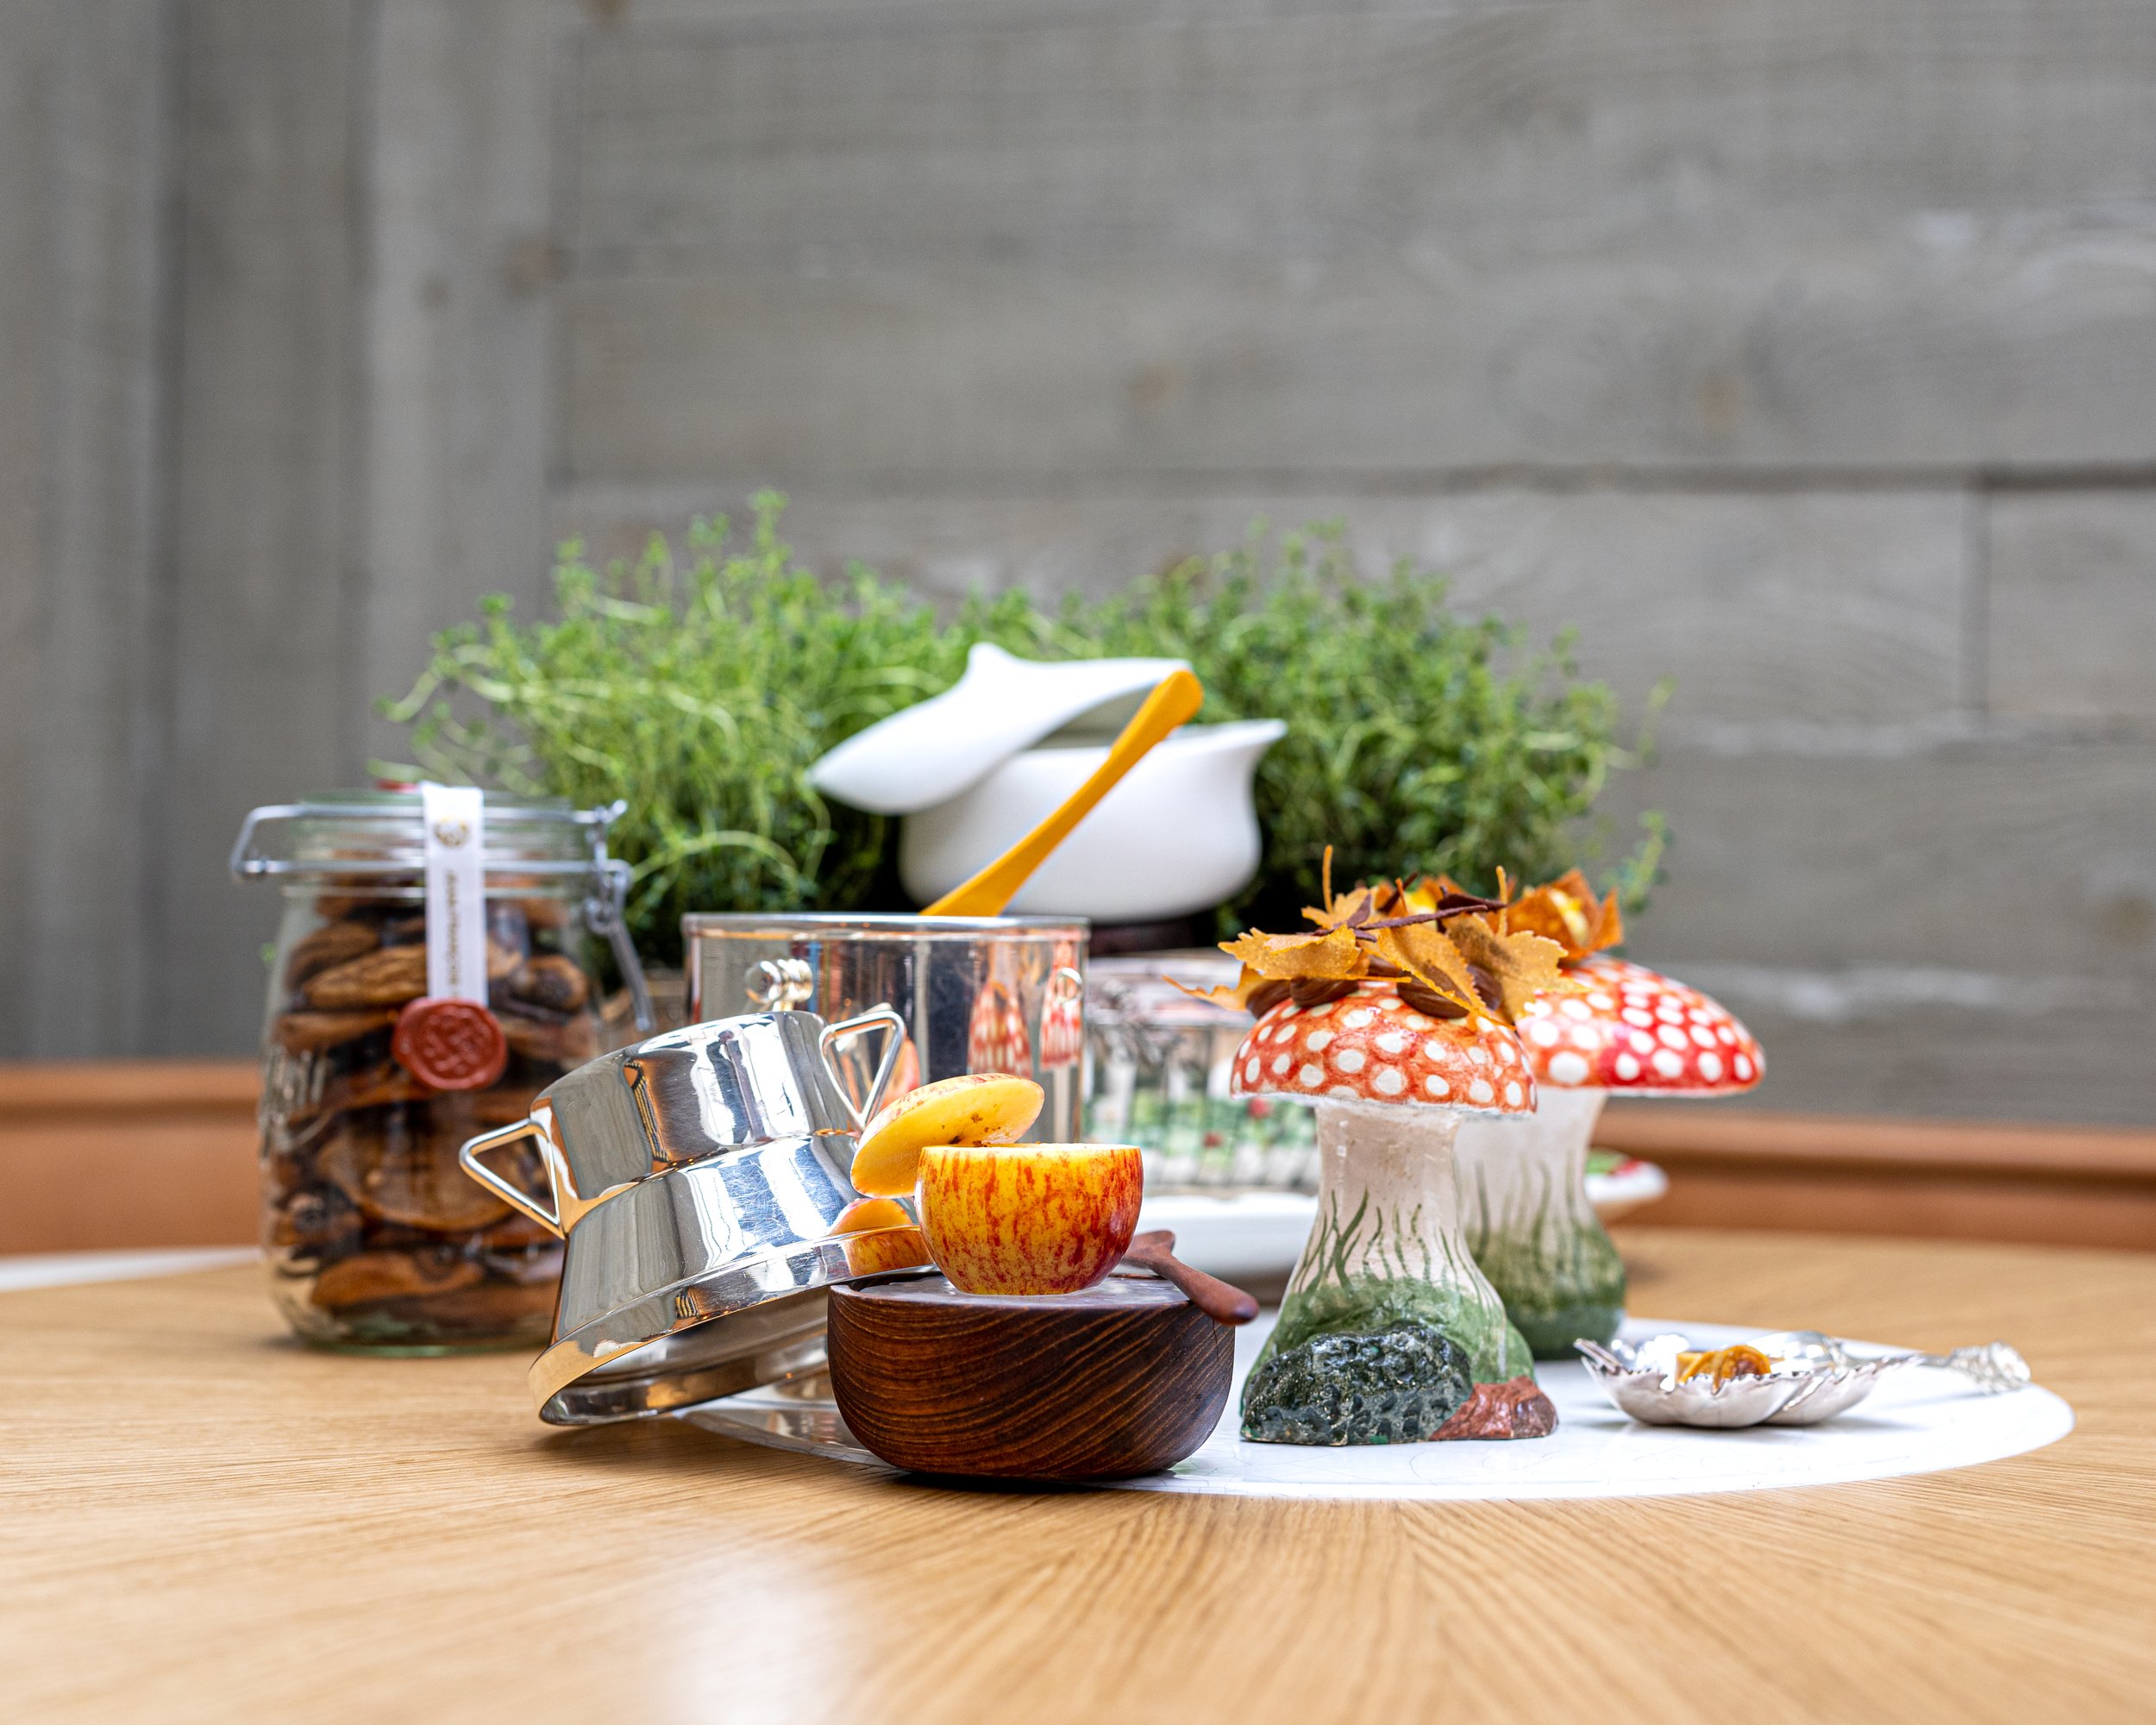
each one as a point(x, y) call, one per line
point(456, 356)
point(1880, 351)
point(1840, 609)
point(2069, 631)
point(267, 699)
point(2010, 858)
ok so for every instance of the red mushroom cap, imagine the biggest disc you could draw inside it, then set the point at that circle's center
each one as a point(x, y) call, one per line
point(1371, 1046)
point(1636, 1030)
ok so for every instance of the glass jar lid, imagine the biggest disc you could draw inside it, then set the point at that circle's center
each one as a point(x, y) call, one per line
point(379, 833)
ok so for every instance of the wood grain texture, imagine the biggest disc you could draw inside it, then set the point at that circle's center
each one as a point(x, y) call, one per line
point(1740, 1167)
point(1116, 1381)
point(206, 1523)
point(2070, 628)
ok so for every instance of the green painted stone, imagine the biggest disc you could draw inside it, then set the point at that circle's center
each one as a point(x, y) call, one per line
point(1392, 1386)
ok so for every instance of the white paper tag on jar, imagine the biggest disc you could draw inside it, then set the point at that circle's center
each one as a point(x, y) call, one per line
point(455, 820)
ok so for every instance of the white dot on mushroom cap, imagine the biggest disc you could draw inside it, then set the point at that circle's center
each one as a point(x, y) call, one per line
point(1741, 1066)
point(1282, 1062)
point(1668, 1064)
point(1699, 1016)
point(1437, 1086)
point(1437, 1048)
point(1601, 1003)
point(1642, 1041)
point(1388, 1081)
point(1346, 1093)
point(1250, 1070)
point(1710, 1067)
point(1585, 1036)
point(1575, 1009)
point(1669, 1012)
point(1703, 1035)
point(1325, 1011)
point(1543, 1033)
point(1627, 1068)
point(1316, 1040)
point(1567, 1067)
point(1393, 1042)
point(1479, 1054)
point(1511, 1096)
point(1671, 1036)
point(1479, 1091)
point(1310, 1077)
point(1358, 1017)
point(1350, 1059)
point(1725, 1036)
point(1633, 1015)
point(1416, 1021)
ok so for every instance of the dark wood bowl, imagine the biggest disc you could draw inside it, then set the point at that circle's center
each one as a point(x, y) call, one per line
point(1122, 1379)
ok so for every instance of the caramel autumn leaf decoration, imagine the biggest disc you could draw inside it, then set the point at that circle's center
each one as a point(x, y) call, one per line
point(1334, 955)
point(1518, 966)
point(1566, 910)
point(1427, 954)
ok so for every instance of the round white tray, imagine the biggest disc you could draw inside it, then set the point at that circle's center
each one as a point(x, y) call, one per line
point(1918, 1419)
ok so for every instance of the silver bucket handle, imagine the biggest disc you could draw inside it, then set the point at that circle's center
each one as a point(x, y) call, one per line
point(894, 1045)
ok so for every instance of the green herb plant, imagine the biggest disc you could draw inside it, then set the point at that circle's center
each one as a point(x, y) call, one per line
point(700, 691)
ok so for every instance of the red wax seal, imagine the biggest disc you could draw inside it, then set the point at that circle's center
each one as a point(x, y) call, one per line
point(450, 1044)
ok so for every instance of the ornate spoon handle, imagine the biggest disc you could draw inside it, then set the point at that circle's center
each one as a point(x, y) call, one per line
point(1995, 1368)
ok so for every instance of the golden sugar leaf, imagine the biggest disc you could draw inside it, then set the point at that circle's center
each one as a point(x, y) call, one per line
point(1425, 953)
point(1336, 955)
point(1565, 910)
point(1223, 996)
point(1518, 966)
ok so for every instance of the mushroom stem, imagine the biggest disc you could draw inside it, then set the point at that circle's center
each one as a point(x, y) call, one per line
point(1523, 1185)
point(1388, 1246)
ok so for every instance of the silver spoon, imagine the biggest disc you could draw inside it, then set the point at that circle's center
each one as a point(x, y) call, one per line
point(1994, 1368)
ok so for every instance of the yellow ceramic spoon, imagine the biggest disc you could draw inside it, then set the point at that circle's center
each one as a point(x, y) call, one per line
point(1171, 704)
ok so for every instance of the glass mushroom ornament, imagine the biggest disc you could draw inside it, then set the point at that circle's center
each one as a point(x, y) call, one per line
point(1387, 1027)
point(1614, 1027)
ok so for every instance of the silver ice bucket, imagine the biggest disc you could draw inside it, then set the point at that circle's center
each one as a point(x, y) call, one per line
point(977, 994)
point(702, 1179)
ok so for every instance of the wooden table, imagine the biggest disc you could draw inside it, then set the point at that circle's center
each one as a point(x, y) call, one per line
point(200, 1520)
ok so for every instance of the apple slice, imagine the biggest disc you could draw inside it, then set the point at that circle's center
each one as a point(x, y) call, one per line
point(1028, 1218)
point(982, 1107)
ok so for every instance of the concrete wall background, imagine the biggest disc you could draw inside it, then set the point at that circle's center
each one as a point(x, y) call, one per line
point(1805, 351)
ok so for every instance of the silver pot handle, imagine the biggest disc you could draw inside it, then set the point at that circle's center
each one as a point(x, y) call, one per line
point(894, 1045)
point(515, 1197)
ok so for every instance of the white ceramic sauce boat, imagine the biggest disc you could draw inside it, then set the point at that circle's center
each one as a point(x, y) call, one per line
point(1178, 834)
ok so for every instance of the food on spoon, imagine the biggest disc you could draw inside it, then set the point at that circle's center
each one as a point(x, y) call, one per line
point(980, 1107)
point(1720, 1364)
point(1028, 1218)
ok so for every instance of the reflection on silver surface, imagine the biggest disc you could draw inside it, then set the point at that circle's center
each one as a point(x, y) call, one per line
point(977, 994)
point(798, 1415)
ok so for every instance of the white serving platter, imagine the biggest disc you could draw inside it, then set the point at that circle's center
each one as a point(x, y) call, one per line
point(1918, 1421)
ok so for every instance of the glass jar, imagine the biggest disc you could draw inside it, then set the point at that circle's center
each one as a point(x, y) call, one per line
point(377, 1240)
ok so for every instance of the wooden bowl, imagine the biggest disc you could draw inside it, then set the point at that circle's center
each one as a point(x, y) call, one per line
point(1122, 1379)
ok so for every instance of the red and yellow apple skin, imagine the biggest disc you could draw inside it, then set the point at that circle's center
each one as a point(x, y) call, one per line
point(1028, 1218)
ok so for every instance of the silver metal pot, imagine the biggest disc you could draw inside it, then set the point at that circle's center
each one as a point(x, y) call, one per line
point(702, 1181)
point(977, 993)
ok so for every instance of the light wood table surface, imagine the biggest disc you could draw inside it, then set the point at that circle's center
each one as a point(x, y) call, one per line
point(200, 1521)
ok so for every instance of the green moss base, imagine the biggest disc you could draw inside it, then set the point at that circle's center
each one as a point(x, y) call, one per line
point(1560, 1281)
point(1364, 1305)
